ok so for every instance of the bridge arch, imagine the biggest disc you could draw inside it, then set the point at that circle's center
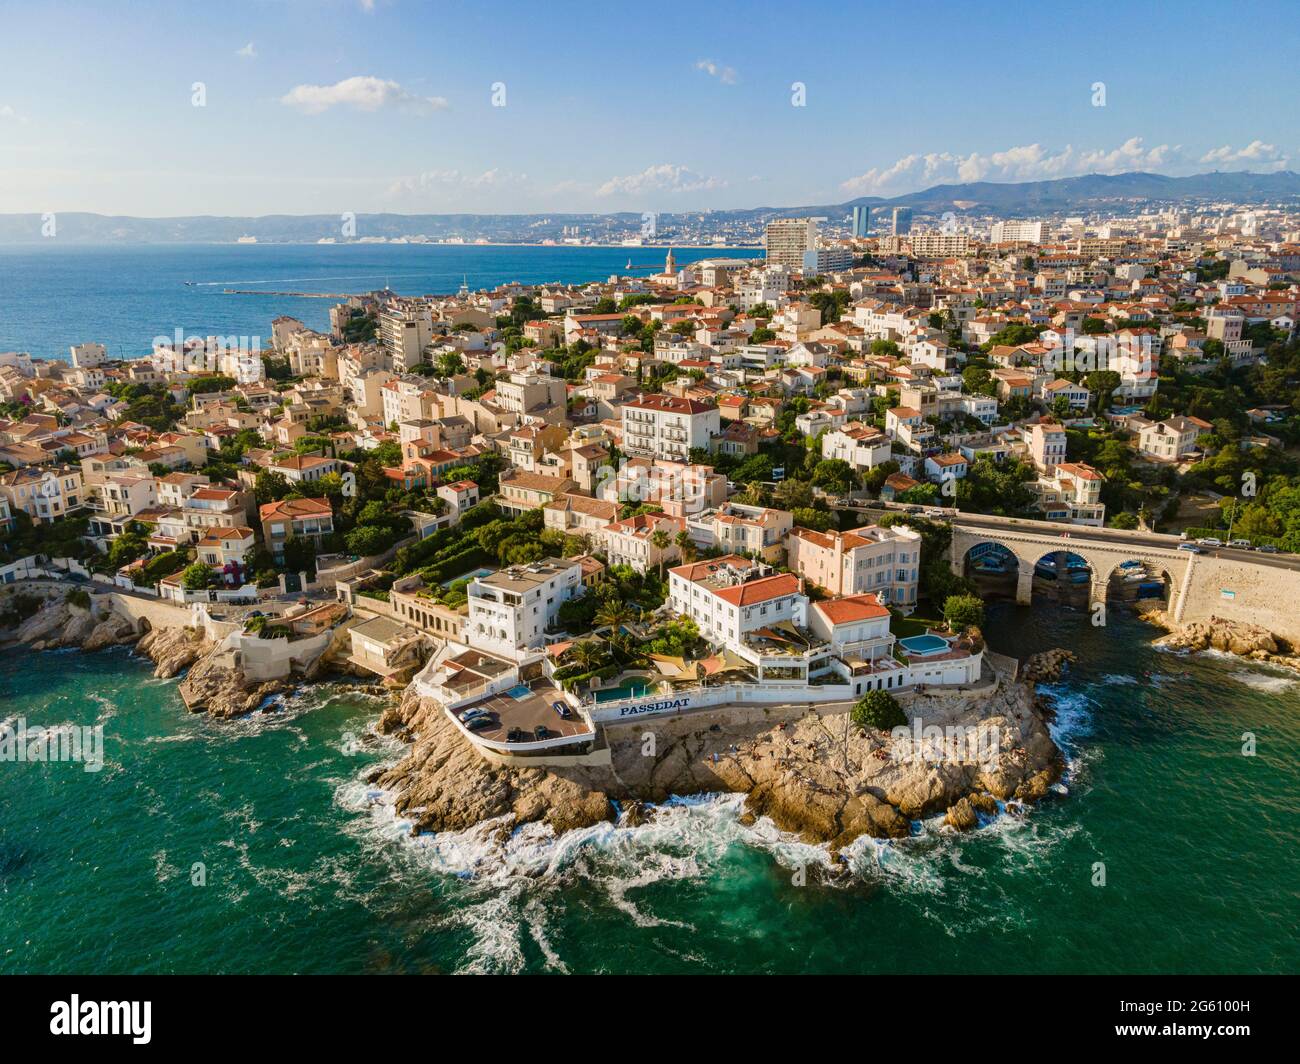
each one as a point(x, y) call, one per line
point(1131, 580)
point(993, 568)
point(1104, 552)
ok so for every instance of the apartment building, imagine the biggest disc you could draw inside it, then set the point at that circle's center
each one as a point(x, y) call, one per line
point(510, 610)
point(1013, 232)
point(881, 561)
point(788, 238)
point(668, 427)
point(527, 393)
point(406, 330)
point(936, 244)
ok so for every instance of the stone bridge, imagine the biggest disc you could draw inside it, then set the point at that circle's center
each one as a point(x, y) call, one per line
point(1103, 549)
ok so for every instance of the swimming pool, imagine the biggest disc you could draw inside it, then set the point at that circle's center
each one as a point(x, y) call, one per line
point(627, 689)
point(475, 575)
point(922, 645)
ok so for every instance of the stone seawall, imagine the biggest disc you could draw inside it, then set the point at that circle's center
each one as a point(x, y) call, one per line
point(1244, 592)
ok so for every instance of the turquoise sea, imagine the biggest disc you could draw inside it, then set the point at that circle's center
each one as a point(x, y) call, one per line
point(56, 295)
point(308, 871)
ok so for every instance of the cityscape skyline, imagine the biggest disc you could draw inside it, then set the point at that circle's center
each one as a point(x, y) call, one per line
point(300, 107)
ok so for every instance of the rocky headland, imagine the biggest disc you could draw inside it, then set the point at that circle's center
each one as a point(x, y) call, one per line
point(807, 768)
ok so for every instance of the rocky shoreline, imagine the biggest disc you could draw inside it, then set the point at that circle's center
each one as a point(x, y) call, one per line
point(810, 771)
point(1250, 641)
point(806, 768)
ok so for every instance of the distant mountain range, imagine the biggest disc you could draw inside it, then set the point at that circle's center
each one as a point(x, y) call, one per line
point(1068, 195)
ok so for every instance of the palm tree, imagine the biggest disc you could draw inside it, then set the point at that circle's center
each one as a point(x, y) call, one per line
point(659, 539)
point(685, 545)
point(587, 653)
point(613, 614)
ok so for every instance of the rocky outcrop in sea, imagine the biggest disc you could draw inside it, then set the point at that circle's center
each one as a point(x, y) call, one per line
point(1230, 637)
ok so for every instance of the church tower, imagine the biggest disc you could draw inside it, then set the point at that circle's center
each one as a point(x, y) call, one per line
point(670, 263)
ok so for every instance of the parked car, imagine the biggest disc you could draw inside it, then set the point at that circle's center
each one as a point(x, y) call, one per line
point(1241, 544)
point(542, 732)
point(1191, 548)
point(1210, 541)
point(477, 723)
point(471, 714)
point(1268, 548)
point(562, 708)
point(516, 735)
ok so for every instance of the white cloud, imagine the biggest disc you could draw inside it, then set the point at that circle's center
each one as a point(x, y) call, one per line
point(1254, 154)
point(8, 114)
point(453, 180)
point(247, 52)
point(1026, 162)
point(360, 93)
point(666, 177)
point(724, 74)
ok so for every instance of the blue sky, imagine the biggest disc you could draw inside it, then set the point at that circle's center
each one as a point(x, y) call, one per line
point(346, 105)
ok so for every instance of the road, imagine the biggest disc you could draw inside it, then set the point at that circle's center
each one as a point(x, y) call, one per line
point(1084, 533)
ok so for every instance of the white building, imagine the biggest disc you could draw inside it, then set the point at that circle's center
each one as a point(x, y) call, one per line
point(1016, 233)
point(510, 610)
point(862, 446)
point(731, 596)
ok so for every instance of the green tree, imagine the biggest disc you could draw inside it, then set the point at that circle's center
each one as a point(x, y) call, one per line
point(879, 710)
point(197, 577)
point(835, 476)
point(963, 611)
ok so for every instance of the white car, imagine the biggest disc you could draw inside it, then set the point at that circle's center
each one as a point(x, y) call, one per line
point(1210, 541)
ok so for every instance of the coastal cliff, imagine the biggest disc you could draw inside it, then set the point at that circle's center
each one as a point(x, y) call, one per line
point(813, 773)
point(59, 623)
